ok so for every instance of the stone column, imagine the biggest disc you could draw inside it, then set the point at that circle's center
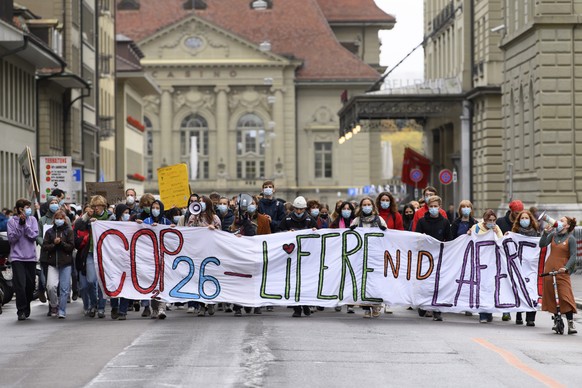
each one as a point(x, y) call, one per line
point(221, 154)
point(168, 154)
point(278, 143)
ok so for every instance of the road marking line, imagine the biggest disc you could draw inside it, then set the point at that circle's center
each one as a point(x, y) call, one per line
point(512, 360)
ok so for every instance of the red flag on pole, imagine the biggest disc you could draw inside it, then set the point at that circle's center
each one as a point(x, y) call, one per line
point(415, 161)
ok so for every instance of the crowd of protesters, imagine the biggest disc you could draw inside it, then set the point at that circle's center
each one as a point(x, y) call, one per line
point(67, 268)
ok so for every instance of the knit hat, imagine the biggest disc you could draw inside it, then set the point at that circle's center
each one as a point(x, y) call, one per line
point(516, 206)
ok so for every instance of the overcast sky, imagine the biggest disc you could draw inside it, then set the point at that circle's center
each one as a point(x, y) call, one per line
point(405, 36)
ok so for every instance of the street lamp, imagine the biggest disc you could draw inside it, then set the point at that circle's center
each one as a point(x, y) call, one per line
point(259, 5)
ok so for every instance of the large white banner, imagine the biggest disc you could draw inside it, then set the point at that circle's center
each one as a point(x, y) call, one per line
point(319, 268)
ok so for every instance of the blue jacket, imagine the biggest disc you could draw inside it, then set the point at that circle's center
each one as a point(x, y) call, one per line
point(3, 222)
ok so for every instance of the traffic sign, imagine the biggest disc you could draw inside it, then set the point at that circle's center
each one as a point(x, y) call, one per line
point(446, 176)
point(416, 175)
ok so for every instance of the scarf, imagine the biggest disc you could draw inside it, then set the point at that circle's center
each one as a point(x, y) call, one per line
point(368, 219)
point(531, 232)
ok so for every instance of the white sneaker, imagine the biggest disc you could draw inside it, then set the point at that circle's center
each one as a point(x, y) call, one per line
point(350, 310)
point(376, 311)
point(367, 314)
point(162, 314)
point(190, 310)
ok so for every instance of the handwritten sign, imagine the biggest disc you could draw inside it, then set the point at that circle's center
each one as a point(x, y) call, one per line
point(174, 186)
point(29, 173)
point(114, 192)
point(318, 268)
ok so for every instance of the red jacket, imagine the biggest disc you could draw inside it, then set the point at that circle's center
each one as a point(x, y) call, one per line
point(421, 212)
point(393, 220)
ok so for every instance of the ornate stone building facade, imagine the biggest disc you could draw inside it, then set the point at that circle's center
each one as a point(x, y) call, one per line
point(257, 91)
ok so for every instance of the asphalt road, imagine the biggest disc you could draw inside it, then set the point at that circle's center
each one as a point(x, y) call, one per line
point(273, 349)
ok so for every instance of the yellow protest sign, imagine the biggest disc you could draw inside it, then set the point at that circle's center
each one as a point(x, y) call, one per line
point(174, 186)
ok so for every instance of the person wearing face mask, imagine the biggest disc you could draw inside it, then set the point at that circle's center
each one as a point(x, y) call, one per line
point(346, 214)
point(464, 221)
point(407, 216)
point(156, 215)
point(47, 219)
point(144, 211)
point(526, 224)
point(367, 217)
point(299, 219)
point(314, 210)
point(437, 226)
point(22, 231)
point(186, 216)
point(270, 206)
point(119, 306)
point(506, 223)
point(59, 243)
point(388, 211)
point(562, 258)
point(428, 192)
point(488, 224)
point(224, 213)
point(324, 220)
point(131, 201)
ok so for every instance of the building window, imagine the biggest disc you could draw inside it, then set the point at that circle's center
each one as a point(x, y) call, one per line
point(250, 147)
point(88, 20)
point(323, 162)
point(195, 125)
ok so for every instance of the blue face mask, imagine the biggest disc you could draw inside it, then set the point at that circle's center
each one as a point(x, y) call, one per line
point(299, 215)
point(524, 222)
point(176, 219)
point(203, 206)
point(28, 212)
point(559, 226)
point(434, 211)
point(346, 213)
point(54, 207)
point(222, 208)
point(251, 209)
point(125, 217)
point(466, 211)
point(367, 209)
point(156, 212)
point(385, 205)
point(268, 191)
point(314, 212)
point(59, 222)
point(490, 225)
point(62, 202)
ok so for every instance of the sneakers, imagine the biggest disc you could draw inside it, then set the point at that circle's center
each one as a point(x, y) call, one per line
point(101, 314)
point(483, 320)
point(92, 312)
point(54, 311)
point(436, 316)
point(248, 310)
point(257, 311)
point(506, 317)
point(296, 314)
point(571, 328)
point(530, 323)
point(351, 310)
point(122, 317)
point(306, 311)
point(136, 307)
point(162, 314)
point(227, 308)
point(146, 311)
point(62, 316)
point(114, 313)
point(21, 317)
point(367, 314)
point(269, 308)
point(210, 309)
point(202, 311)
point(338, 308)
point(237, 313)
point(154, 314)
point(190, 310)
point(518, 321)
point(75, 295)
point(376, 311)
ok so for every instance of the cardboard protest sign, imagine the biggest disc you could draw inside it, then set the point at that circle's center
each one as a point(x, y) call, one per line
point(29, 173)
point(114, 191)
point(174, 186)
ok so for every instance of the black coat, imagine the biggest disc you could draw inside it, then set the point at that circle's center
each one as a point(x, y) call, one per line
point(292, 222)
point(505, 223)
point(438, 228)
point(275, 208)
point(59, 255)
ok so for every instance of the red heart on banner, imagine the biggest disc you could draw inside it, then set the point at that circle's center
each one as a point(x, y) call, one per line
point(289, 248)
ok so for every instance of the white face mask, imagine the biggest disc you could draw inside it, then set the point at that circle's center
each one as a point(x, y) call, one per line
point(130, 200)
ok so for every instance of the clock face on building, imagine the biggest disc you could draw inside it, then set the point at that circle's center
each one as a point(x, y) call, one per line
point(194, 42)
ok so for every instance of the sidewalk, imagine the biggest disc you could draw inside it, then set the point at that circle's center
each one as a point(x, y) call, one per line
point(576, 280)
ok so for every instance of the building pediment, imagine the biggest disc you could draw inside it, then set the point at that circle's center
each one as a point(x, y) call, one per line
point(194, 41)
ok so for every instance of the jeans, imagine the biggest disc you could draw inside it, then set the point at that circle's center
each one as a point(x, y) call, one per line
point(23, 279)
point(88, 285)
point(121, 304)
point(59, 277)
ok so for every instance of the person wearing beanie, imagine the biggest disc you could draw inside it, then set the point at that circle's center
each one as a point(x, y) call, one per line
point(506, 223)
